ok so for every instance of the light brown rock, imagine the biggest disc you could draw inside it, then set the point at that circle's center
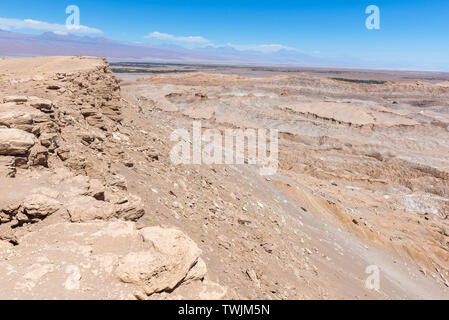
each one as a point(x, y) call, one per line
point(39, 206)
point(164, 267)
point(83, 208)
point(132, 209)
point(15, 141)
point(17, 99)
point(21, 117)
point(42, 104)
point(96, 189)
point(7, 167)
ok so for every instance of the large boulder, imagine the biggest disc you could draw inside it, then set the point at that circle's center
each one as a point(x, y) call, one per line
point(15, 141)
point(162, 268)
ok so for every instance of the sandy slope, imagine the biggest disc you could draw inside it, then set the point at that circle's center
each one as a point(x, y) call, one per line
point(366, 164)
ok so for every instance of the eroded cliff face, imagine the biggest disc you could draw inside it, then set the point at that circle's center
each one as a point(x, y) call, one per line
point(68, 224)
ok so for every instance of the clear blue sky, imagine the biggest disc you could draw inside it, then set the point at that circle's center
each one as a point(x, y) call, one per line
point(412, 31)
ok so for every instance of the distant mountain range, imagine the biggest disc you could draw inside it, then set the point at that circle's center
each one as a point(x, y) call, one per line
point(51, 44)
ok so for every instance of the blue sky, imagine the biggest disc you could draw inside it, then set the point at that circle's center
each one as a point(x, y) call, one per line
point(412, 32)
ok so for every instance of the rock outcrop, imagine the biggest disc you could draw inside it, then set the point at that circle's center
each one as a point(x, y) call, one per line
point(15, 142)
point(68, 224)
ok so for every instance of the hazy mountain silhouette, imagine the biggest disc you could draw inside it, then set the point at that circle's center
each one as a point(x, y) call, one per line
point(49, 43)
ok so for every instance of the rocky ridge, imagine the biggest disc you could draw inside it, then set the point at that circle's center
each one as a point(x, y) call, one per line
point(69, 227)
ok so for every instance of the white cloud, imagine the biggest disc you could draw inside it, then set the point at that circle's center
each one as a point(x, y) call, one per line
point(172, 38)
point(16, 24)
point(62, 33)
point(266, 48)
point(201, 41)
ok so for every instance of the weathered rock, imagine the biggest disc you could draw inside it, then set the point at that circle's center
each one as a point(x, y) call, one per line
point(132, 209)
point(63, 153)
point(96, 121)
point(48, 140)
point(7, 167)
point(38, 156)
point(90, 136)
point(197, 272)
point(164, 267)
point(21, 117)
point(53, 86)
point(118, 181)
point(15, 141)
point(42, 104)
point(82, 209)
point(96, 189)
point(88, 111)
point(40, 206)
point(9, 211)
point(16, 99)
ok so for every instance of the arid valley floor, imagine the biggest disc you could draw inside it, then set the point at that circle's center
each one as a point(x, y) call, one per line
point(92, 207)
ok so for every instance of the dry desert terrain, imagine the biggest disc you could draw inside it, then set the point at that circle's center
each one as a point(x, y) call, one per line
point(93, 207)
